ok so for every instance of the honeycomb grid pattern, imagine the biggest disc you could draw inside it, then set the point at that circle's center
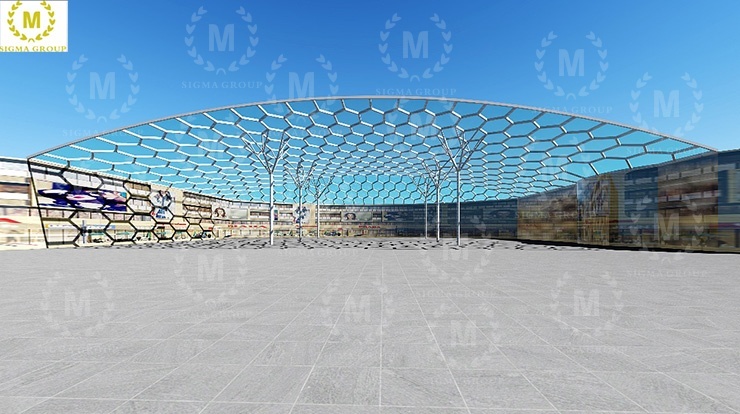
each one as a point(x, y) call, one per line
point(371, 148)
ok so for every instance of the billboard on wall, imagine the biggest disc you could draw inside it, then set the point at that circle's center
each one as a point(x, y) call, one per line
point(550, 216)
point(354, 215)
point(64, 195)
point(598, 209)
point(238, 213)
point(162, 204)
point(687, 203)
point(398, 216)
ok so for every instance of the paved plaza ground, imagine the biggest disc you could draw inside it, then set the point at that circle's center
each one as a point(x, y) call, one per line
point(368, 326)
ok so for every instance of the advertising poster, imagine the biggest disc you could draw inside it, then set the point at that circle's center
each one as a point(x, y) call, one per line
point(687, 204)
point(640, 201)
point(63, 195)
point(237, 214)
point(728, 226)
point(399, 216)
point(354, 215)
point(598, 210)
point(550, 216)
point(162, 204)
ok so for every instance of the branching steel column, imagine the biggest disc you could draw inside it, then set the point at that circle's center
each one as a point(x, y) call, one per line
point(320, 186)
point(459, 158)
point(269, 158)
point(301, 179)
point(436, 177)
point(422, 183)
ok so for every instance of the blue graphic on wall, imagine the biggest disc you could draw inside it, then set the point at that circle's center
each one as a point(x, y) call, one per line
point(68, 196)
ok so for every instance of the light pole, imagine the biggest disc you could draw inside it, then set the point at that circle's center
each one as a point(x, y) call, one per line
point(269, 158)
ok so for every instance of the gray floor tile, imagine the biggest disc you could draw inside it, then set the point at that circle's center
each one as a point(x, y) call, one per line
point(247, 408)
point(160, 407)
point(192, 382)
point(18, 404)
point(482, 356)
point(539, 358)
point(603, 358)
point(250, 332)
point(52, 379)
point(657, 392)
point(412, 356)
point(580, 391)
point(348, 354)
point(419, 387)
point(342, 385)
point(230, 352)
point(77, 406)
point(493, 389)
point(722, 387)
point(123, 381)
point(270, 384)
point(172, 351)
point(289, 353)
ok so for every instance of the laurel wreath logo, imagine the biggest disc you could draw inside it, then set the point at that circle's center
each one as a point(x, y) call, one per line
point(207, 65)
point(329, 315)
point(115, 113)
point(695, 115)
point(326, 65)
point(597, 331)
point(22, 36)
point(197, 295)
point(585, 90)
point(104, 318)
point(402, 72)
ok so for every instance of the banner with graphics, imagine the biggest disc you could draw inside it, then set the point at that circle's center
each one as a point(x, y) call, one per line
point(687, 204)
point(64, 195)
point(550, 216)
point(356, 215)
point(598, 209)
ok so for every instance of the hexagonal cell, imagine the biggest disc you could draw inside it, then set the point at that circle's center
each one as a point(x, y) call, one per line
point(120, 231)
point(164, 231)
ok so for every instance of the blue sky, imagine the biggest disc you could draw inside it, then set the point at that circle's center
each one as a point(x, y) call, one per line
point(685, 52)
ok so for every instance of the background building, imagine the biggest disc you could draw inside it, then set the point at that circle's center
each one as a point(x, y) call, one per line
point(525, 174)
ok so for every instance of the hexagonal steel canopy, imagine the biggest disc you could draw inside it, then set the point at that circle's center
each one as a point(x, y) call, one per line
point(370, 148)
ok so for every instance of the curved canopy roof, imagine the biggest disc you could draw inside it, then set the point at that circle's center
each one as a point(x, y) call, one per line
point(371, 148)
